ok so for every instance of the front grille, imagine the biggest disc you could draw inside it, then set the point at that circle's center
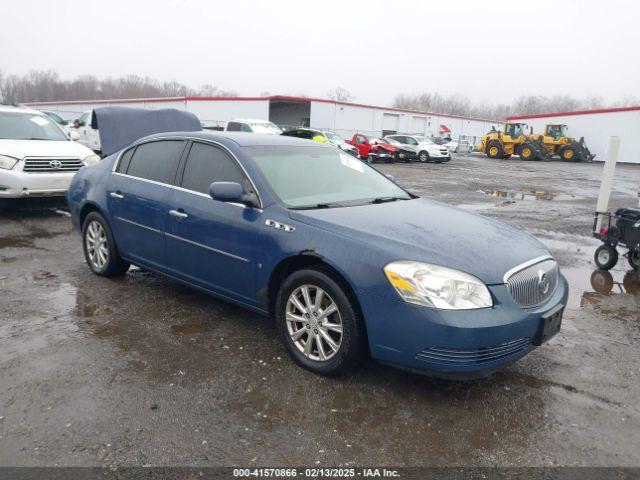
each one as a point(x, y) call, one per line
point(473, 357)
point(534, 284)
point(444, 152)
point(52, 165)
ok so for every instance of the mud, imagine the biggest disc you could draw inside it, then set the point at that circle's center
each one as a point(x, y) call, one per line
point(144, 371)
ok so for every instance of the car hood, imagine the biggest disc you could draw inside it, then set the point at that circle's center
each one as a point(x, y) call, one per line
point(386, 146)
point(43, 148)
point(429, 231)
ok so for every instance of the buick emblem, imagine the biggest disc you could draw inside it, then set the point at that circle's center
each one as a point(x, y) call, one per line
point(55, 164)
point(543, 282)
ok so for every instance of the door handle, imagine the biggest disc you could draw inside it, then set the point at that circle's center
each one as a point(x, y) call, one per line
point(116, 195)
point(177, 214)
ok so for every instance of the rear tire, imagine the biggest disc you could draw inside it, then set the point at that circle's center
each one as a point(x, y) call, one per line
point(99, 247)
point(298, 323)
point(606, 257)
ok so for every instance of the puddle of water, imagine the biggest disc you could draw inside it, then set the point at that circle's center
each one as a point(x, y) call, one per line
point(527, 194)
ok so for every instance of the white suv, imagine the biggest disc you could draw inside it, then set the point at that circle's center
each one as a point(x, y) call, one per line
point(252, 125)
point(424, 147)
point(36, 156)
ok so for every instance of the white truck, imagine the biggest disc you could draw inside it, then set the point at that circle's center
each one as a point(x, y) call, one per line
point(87, 135)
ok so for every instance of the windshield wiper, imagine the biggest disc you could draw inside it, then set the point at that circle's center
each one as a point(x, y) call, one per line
point(386, 199)
point(319, 205)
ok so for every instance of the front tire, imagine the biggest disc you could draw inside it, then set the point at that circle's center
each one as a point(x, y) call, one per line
point(100, 248)
point(495, 150)
point(423, 156)
point(319, 324)
point(606, 257)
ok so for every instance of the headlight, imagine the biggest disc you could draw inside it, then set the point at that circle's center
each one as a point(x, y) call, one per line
point(7, 162)
point(437, 287)
point(91, 160)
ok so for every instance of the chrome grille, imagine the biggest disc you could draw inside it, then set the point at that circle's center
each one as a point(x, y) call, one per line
point(473, 357)
point(52, 165)
point(527, 285)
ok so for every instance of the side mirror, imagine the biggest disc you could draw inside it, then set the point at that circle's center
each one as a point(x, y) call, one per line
point(232, 192)
point(391, 177)
point(73, 135)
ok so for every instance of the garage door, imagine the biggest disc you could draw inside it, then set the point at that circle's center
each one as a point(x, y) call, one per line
point(390, 121)
point(418, 125)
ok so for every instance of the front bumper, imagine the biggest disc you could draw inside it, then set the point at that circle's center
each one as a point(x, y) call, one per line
point(18, 184)
point(461, 344)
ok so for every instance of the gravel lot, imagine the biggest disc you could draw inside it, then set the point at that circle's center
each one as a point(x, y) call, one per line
point(144, 371)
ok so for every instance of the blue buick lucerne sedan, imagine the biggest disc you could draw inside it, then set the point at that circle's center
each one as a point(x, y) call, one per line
point(348, 263)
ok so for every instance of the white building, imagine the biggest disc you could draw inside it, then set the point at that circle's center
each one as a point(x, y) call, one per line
point(596, 126)
point(345, 118)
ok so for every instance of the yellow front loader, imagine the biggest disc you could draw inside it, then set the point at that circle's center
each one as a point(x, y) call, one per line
point(557, 142)
point(513, 140)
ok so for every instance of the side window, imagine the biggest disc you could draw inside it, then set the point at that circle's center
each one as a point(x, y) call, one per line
point(156, 161)
point(207, 164)
point(244, 127)
point(233, 127)
point(125, 159)
point(411, 141)
point(84, 119)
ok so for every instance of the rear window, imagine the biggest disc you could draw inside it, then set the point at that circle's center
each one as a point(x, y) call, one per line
point(238, 127)
point(157, 161)
point(125, 159)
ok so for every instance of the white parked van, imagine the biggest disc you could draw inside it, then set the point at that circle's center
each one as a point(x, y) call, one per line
point(87, 135)
point(252, 126)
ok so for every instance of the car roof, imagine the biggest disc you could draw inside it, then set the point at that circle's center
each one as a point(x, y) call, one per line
point(250, 120)
point(241, 139)
point(11, 108)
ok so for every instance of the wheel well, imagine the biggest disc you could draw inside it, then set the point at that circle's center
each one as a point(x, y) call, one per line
point(86, 210)
point(299, 262)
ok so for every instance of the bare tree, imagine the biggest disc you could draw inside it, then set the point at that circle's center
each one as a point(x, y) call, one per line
point(340, 94)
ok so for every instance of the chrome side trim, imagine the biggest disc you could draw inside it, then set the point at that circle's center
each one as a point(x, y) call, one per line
point(143, 180)
point(174, 137)
point(196, 244)
point(151, 229)
point(524, 265)
point(206, 247)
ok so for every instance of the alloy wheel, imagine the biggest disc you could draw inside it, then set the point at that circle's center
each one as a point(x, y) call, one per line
point(97, 246)
point(314, 322)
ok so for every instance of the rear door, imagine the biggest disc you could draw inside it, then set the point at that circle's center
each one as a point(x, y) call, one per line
point(210, 243)
point(138, 192)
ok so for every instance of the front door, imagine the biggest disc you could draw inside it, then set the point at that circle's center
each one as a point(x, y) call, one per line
point(211, 243)
point(137, 196)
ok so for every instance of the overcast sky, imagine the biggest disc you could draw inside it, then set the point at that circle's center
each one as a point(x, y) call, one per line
point(490, 51)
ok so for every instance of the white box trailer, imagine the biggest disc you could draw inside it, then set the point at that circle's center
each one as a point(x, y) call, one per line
point(346, 118)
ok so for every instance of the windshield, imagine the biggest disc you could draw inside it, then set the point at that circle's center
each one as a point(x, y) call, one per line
point(316, 177)
point(55, 117)
point(514, 130)
point(334, 137)
point(28, 126)
point(391, 141)
point(266, 127)
point(423, 139)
